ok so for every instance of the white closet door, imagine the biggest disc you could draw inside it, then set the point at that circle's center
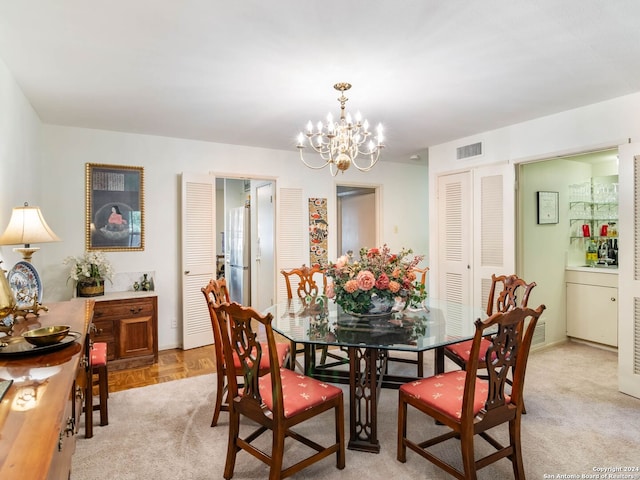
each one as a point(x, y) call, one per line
point(455, 232)
point(198, 256)
point(264, 259)
point(290, 234)
point(493, 238)
point(629, 269)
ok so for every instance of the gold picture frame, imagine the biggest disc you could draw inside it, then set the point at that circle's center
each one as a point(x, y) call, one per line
point(114, 200)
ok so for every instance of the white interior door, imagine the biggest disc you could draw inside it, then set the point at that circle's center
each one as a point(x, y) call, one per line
point(493, 233)
point(264, 259)
point(198, 256)
point(629, 269)
point(292, 228)
point(455, 232)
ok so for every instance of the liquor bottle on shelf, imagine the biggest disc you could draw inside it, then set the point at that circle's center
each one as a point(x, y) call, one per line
point(592, 253)
point(603, 253)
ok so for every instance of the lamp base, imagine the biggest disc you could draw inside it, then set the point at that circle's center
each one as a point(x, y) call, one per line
point(27, 252)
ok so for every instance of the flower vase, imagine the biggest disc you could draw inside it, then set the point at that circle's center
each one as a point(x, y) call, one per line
point(381, 307)
point(90, 287)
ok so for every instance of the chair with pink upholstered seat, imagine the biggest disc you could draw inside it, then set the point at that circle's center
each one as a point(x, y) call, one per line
point(262, 398)
point(511, 292)
point(507, 292)
point(216, 293)
point(309, 283)
point(466, 405)
point(97, 375)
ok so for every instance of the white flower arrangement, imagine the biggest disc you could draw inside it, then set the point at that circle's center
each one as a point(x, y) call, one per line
point(92, 265)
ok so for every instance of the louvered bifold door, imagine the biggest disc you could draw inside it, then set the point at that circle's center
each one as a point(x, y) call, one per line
point(494, 242)
point(198, 256)
point(455, 227)
point(629, 269)
point(291, 230)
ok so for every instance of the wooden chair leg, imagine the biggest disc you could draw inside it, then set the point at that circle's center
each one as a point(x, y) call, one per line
point(220, 391)
point(103, 394)
point(88, 406)
point(97, 367)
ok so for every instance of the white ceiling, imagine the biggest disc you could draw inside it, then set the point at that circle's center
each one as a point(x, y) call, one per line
point(253, 72)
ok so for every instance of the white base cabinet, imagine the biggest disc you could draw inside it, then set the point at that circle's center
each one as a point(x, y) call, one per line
point(592, 306)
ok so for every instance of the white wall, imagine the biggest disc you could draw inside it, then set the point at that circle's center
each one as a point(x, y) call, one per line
point(66, 150)
point(20, 150)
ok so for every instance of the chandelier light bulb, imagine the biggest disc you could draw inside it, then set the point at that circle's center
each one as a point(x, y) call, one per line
point(340, 143)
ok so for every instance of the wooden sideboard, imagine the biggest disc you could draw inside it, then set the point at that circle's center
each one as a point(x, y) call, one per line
point(40, 413)
point(128, 323)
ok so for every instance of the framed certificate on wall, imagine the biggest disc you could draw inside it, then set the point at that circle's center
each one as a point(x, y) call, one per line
point(547, 207)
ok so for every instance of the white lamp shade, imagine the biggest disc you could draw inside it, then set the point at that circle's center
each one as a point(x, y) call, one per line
point(27, 226)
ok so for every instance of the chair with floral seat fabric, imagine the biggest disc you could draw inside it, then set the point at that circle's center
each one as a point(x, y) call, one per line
point(467, 405)
point(277, 401)
point(507, 292)
point(307, 283)
point(511, 291)
point(216, 293)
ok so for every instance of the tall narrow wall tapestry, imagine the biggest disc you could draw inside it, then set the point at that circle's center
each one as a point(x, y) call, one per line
point(318, 231)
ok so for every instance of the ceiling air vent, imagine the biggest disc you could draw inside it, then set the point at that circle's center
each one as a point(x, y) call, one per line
point(467, 151)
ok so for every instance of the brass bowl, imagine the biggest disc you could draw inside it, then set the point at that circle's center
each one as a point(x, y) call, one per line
point(45, 336)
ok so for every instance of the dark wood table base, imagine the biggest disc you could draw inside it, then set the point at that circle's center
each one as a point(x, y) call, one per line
point(366, 376)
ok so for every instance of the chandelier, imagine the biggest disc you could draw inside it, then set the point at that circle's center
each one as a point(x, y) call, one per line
point(340, 143)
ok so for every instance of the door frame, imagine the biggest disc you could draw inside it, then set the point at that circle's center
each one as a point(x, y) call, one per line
point(256, 178)
point(377, 191)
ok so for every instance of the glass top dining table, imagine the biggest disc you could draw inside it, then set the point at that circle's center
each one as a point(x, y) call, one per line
point(318, 322)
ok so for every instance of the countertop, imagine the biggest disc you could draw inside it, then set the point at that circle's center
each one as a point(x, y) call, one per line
point(583, 268)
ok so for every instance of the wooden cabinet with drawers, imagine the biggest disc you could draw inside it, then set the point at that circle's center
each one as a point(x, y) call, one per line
point(128, 323)
point(40, 412)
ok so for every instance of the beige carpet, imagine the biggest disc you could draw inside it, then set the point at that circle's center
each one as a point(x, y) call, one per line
point(577, 421)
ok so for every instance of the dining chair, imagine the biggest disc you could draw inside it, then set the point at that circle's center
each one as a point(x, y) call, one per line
point(277, 402)
point(466, 405)
point(97, 375)
point(507, 292)
point(215, 293)
point(307, 285)
point(508, 289)
point(419, 361)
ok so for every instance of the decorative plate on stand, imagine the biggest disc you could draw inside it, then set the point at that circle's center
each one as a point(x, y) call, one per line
point(25, 284)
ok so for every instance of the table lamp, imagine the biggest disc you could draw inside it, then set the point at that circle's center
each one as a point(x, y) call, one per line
point(27, 226)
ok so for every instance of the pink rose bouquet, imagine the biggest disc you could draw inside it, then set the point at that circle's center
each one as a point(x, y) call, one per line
point(379, 275)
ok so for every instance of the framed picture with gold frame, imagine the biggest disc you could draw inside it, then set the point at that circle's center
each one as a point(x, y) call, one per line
point(114, 199)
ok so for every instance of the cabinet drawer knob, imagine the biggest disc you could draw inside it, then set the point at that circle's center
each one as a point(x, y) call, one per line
point(613, 299)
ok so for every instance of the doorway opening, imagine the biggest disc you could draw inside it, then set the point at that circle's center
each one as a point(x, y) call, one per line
point(245, 240)
point(549, 251)
point(357, 214)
